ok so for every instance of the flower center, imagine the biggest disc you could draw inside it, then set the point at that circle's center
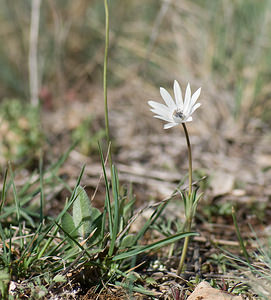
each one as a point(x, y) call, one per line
point(178, 115)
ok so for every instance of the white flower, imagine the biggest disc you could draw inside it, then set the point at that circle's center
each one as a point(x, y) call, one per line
point(178, 111)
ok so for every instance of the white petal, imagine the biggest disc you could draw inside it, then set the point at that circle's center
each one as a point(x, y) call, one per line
point(196, 106)
point(160, 112)
point(167, 98)
point(169, 125)
point(187, 99)
point(158, 105)
point(178, 95)
point(163, 118)
point(195, 96)
point(189, 119)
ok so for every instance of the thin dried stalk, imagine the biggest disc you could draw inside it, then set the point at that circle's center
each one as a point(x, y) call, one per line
point(33, 52)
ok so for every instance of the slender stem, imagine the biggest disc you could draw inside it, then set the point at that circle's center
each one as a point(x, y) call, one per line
point(189, 159)
point(185, 247)
point(105, 79)
point(189, 221)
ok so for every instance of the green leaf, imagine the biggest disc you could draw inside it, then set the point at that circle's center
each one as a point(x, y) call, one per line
point(97, 219)
point(67, 206)
point(159, 244)
point(68, 225)
point(128, 241)
point(140, 289)
point(59, 278)
point(4, 275)
point(85, 217)
point(151, 281)
point(95, 213)
point(82, 212)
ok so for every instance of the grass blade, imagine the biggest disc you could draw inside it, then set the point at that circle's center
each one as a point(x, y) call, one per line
point(41, 190)
point(116, 210)
point(107, 195)
point(3, 195)
point(156, 245)
point(152, 219)
point(70, 202)
point(240, 239)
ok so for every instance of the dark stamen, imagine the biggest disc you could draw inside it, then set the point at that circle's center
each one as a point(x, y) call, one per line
point(178, 114)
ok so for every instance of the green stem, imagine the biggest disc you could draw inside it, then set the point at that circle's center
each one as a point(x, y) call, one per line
point(189, 159)
point(189, 221)
point(105, 79)
point(185, 247)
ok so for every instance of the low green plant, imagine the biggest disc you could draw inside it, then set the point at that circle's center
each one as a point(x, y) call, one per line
point(20, 130)
point(223, 209)
point(23, 227)
point(39, 250)
point(220, 260)
point(107, 232)
point(87, 138)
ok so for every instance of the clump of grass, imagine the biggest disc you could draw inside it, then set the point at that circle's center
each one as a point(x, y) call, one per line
point(259, 273)
point(24, 228)
point(255, 269)
point(40, 250)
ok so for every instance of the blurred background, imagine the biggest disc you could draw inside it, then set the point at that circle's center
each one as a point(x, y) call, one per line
point(222, 46)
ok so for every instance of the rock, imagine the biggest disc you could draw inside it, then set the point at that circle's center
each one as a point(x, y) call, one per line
point(222, 183)
point(205, 292)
